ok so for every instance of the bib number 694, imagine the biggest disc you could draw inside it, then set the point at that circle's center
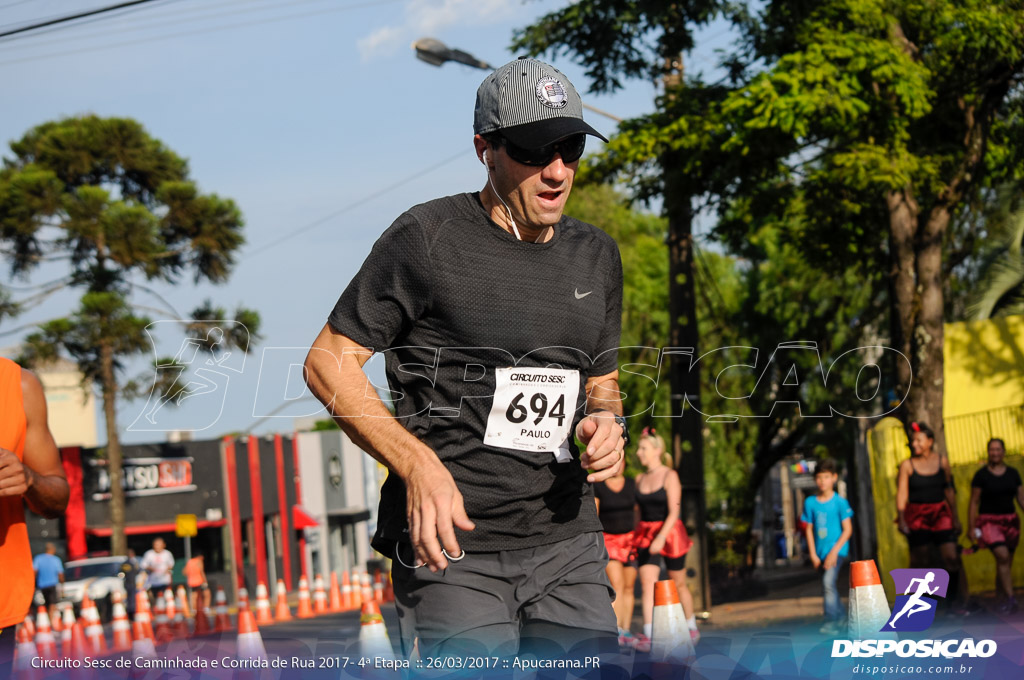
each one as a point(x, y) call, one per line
point(517, 413)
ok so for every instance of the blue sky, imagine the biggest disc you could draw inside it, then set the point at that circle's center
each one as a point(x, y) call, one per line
point(303, 112)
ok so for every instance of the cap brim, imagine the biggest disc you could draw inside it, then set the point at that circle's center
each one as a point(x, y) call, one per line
point(543, 132)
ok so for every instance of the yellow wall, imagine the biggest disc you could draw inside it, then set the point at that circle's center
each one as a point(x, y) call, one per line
point(983, 398)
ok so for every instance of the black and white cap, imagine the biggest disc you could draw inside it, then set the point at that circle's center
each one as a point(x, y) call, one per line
point(531, 103)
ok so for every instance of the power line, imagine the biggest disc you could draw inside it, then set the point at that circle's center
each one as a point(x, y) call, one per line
point(146, 41)
point(14, 4)
point(72, 17)
point(356, 204)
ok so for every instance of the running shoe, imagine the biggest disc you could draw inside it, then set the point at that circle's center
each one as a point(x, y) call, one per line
point(626, 640)
point(641, 643)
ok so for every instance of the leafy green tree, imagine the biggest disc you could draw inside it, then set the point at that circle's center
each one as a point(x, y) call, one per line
point(999, 280)
point(882, 123)
point(121, 210)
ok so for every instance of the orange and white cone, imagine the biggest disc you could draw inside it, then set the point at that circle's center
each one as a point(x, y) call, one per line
point(223, 620)
point(373, 634)
point(30, 625)
point(670, 635)
point(263, 615)
point(96, 641)
point(143, 612)
point(357, 591)
point(46, 646)
point(367, 586)
point(243, 598)
point(161, 626)
point(346, 591)
point(179, 626)
point(335, 593)
point(378, 587)
point(305, 608)
point(142, 645)
point(283, 613)
point(122, 629)
point(181, 599)
point(250, 643)
point(319, 596)
point(202, 621)
point(57, 622)
point(25, 653)
point(66, 635)
point(869, 608)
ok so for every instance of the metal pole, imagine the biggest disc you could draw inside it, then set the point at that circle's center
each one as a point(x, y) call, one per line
point(188, 557)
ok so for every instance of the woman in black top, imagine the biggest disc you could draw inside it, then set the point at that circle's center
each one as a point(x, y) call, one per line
point(616, 508)
point(994, 519)
point(926, 509)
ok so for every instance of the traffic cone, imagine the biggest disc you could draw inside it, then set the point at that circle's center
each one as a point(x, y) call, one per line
point(142, 645)
point(378, 587)
point(30, 625)
point(670, 636)
point(263, 615)
point(24, 654)
point(346, 591)
point(250, 643)
point(182, 613)
point(223, 620)
point(283, 613)
point(67, 632)
point(161, 628)
point(243, 597)
point(305, 609)
point(202, 621)
point(143, 612)
point(319, 596)
point(45, 644)
point(357, 591)
point(335, 593)
point(121, 627)
point(58, 626)
point(373, 634)
point(367, 586)
point(869, 609)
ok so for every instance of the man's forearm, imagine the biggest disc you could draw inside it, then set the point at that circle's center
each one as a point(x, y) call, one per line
point(47, 495)
point(605, 396)
point(366, 421)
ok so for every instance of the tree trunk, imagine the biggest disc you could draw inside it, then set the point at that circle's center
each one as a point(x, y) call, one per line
point(903, 212)
point(118, 543)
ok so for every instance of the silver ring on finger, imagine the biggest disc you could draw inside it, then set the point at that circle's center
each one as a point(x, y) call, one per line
point(454, 559)
point(402, 562)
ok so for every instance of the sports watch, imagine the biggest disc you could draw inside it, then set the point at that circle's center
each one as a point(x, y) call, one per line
point(621, 420)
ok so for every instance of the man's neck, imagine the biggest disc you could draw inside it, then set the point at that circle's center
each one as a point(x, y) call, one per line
point(825, 496)
point(499, 214)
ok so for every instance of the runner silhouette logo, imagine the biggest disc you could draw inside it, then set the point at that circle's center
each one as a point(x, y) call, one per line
point(914, 610)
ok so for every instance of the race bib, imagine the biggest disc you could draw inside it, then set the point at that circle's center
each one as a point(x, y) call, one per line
point(533, 410)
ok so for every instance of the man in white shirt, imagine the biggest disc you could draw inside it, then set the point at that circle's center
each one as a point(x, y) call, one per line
point(158, 563)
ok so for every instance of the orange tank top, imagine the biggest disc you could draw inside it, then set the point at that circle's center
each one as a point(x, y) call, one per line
point(17, 584)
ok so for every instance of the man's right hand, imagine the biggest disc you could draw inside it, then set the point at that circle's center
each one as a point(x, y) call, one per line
point(14, 476)
point(434, 508)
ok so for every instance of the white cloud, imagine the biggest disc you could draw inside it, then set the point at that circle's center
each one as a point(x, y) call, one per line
point(422, 18)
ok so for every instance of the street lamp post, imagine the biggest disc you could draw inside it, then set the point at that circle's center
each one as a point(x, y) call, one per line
point(436, 53)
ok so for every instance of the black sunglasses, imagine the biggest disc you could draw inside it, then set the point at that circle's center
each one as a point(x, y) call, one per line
point(570, 149)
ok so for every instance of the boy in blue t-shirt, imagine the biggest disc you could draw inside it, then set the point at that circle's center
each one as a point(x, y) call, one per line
point(829, 527)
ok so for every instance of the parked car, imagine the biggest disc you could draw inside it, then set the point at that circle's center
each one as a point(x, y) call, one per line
point(99, 576)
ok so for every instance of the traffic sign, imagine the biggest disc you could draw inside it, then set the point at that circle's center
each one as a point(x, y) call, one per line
point(185, 525)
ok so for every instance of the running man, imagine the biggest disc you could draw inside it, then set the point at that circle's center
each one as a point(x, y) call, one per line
point(30, 472)
point(500, 320)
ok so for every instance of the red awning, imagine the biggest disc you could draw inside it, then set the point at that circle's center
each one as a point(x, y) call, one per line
point(301, 518)
point(155, 528)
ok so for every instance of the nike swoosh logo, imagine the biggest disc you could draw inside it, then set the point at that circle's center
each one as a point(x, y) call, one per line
point(580, 296)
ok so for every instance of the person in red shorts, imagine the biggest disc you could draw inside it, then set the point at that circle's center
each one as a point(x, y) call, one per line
point(660, 534)
point(616, 509)
point(993, 518)
point(926, 507)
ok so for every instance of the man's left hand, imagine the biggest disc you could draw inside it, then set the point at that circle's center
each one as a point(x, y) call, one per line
point(605, 453)
point(15, 478)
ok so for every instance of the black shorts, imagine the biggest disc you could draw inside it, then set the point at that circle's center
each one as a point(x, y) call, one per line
point(644, 556)
point(49, 595)
point(918, 538)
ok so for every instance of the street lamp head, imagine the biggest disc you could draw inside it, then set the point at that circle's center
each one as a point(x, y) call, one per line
point(431, 50)
point(531, 103)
